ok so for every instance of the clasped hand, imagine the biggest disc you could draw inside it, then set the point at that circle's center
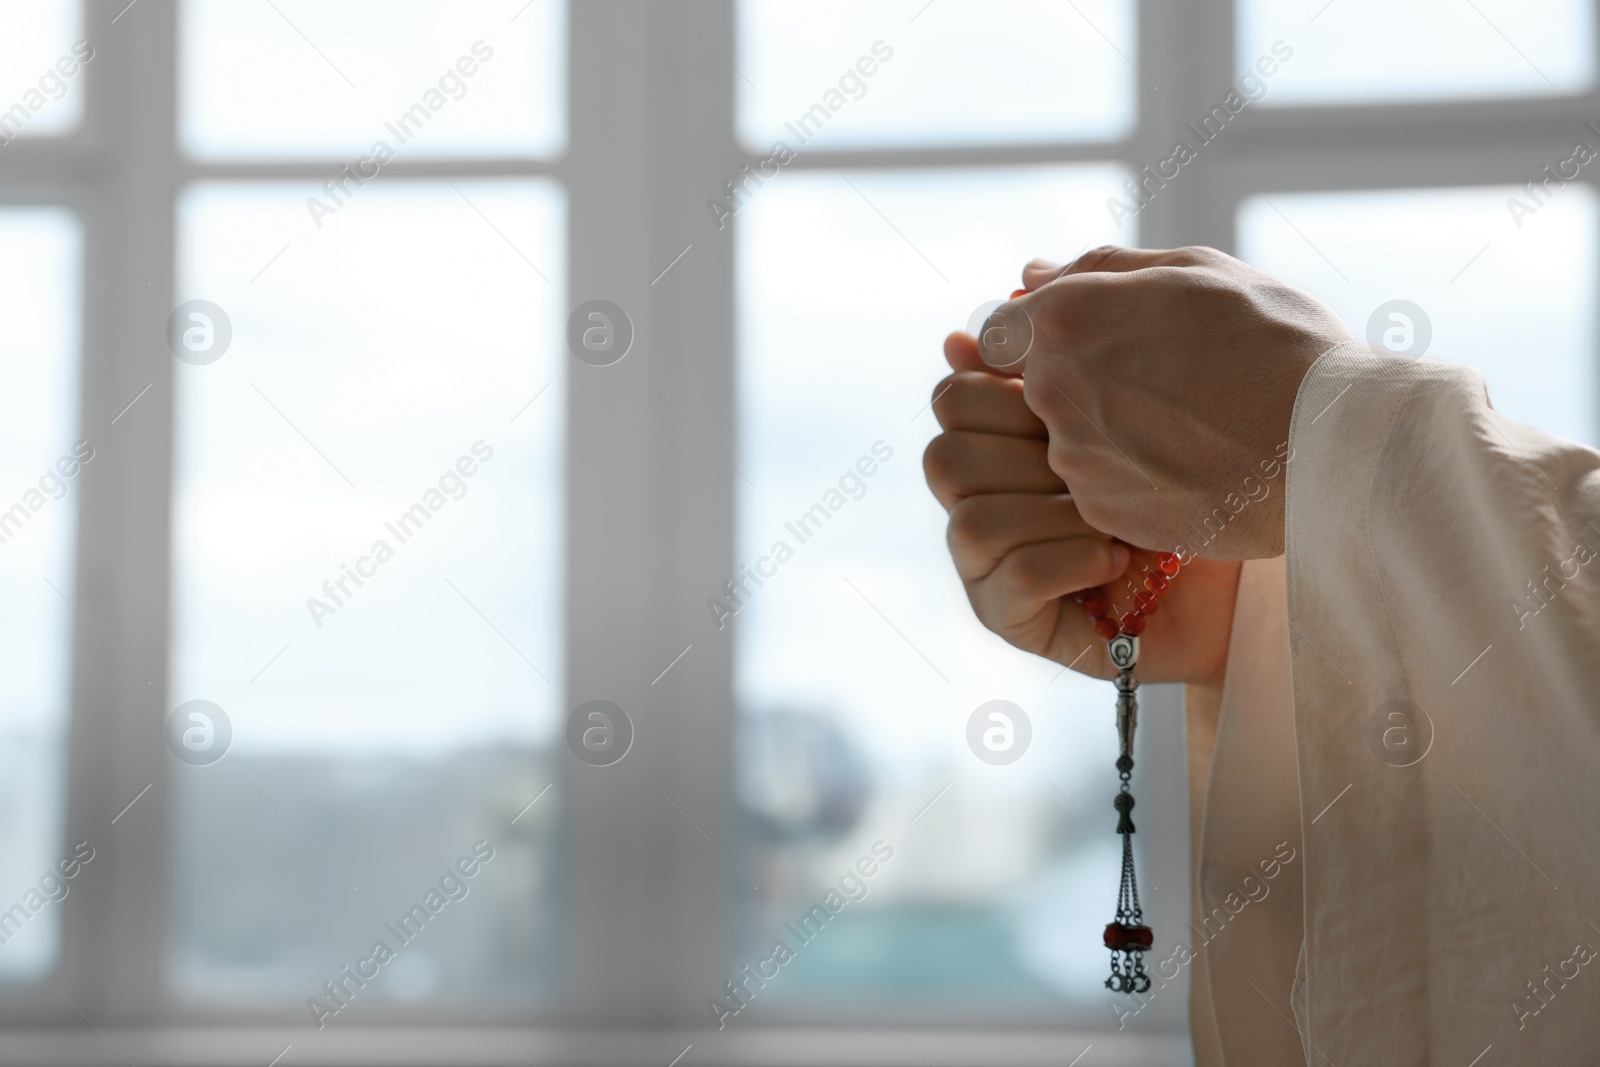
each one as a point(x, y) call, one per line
point(1151, 383)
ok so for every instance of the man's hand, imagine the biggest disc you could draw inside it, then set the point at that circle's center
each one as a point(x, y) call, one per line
point(1167, 380)
point(1021, 547)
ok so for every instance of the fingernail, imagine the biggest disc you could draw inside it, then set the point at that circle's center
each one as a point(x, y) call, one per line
point(1043, 264)
point(1120, 556)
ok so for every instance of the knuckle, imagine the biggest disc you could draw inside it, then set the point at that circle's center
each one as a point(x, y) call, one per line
point(1059, 454)
point(1051, 318)
point(1074, 309)
point(1217, 292)
point(1198, 254)
point(939, 459)
point(1025, 571)
point(1095, 256)
point(1035, 396)
point(969, 526)
point(978, 597)
point(1032, 391)
point(947, 395)
point(1095, 514)
point(987, 618)
point(1043, 398)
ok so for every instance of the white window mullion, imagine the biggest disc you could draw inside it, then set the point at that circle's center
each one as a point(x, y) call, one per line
point(651, 508)
point(112, 960)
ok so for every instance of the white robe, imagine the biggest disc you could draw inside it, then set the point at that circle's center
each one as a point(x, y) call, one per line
point(1412, 703)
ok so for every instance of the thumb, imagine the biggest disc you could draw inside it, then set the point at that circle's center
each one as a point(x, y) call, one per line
point(964, 352)
point(1007, 336)
point(961, 352)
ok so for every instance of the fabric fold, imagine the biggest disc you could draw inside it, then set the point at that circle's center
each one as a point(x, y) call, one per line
point(1247, 886)
point(1444, 635)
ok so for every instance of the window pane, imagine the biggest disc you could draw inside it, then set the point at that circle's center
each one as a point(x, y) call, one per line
point(422, 78)
point(1378, 51)
point(41, 455)
point(848, 73)
point(42, 58)
point(366, 536)
point(999, 893)
point(1516, 303)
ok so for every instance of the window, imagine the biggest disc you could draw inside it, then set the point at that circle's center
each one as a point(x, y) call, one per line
point(255, 86)
point(1016, 72)
point(366, 549)
point(1374, 52)
point(374, 430)
point(286, 282)
point(43, 459)
point(1476, 288)
point(42, 50)
point(859, 660)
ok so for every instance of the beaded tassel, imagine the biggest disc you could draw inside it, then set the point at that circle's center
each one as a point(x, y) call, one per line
point(1127, 937)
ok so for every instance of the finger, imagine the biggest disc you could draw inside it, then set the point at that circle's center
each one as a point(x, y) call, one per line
point(965, 352)
point(1029, 578)
point(1039, 271)
point(959, 464)
point(961, 352)
point(984, 403)
point(1006, 336)
point(986, 527)
point(1115, 258)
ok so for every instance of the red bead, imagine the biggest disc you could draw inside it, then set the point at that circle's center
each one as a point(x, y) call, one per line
point(1096, 607)
point(1157, 583)
point(1019, 292)
point(1168, 562)
point(1146, 602)
point(1107, 628)
point(1133, 623)
point(1120, 938)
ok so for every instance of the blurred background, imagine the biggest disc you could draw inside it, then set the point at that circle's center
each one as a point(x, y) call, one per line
point(382, 384)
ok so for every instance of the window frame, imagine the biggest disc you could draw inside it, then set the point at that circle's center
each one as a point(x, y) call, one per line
point(650, 135)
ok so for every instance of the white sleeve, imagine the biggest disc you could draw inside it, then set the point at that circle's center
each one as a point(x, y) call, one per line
point(1444, 611)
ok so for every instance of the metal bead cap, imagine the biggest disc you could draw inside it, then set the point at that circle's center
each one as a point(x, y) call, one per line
point(1124, 651)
